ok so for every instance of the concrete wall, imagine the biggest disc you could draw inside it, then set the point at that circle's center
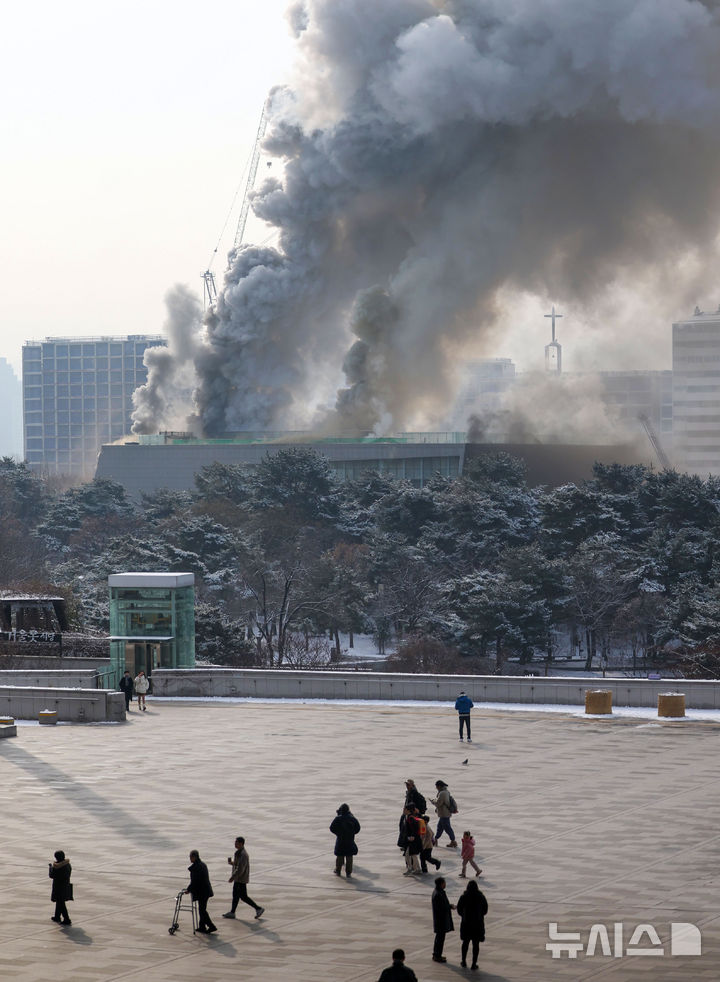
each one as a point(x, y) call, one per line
point(381, 685)
point(79, 678)
point(71, 705)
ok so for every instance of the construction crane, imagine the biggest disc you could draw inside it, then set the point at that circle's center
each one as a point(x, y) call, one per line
point(655, 441)
point(208, 277)
point(210, 290)
point(252, 174)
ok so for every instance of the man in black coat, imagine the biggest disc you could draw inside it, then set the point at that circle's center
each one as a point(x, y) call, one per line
point(126, 686)
point(398, 971)
point(201, 891)
point(59, 872)
point(442, 918)
point(344, 827)
point(413, 796)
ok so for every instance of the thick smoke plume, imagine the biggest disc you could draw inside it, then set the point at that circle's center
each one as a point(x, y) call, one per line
point(436, 153)
point(162, 403)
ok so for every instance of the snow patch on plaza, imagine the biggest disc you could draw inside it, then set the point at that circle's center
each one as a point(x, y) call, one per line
point(633, 712)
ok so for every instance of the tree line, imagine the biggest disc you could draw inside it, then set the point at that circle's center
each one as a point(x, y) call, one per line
point(461, 574)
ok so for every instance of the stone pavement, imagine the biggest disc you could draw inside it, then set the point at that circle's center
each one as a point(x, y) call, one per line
point(577, 821)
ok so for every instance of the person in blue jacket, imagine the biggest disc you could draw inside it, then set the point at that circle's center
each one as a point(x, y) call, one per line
point(464, 704)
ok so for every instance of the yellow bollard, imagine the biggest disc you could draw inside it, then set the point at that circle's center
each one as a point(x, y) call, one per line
point(47, 717)
point(671, 704)
point(598, 702)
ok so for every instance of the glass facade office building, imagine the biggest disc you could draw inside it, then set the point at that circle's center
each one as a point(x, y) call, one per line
point(152, 622)
point(77, 395)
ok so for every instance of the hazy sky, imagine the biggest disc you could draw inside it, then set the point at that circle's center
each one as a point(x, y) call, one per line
point(126, 128)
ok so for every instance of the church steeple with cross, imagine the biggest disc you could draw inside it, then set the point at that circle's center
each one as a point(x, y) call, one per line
point(553, 351)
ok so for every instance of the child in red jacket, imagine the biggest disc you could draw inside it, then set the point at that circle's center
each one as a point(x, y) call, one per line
point(467, 854)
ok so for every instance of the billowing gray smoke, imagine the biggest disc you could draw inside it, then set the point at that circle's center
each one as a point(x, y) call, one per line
point(437, 152)
point(162, 403)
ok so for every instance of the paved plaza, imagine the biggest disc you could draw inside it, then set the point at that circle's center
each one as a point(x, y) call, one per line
point(578, 822)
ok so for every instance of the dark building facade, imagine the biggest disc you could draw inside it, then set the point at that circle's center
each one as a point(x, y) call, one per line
point(77, 395)
point(171, 460)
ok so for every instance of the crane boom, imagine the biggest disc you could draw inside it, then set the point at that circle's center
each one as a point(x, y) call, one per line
point(655, 441)
point(252, 174)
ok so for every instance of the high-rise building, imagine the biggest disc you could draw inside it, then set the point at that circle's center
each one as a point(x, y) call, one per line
point(77, 395)
point(641, 393)
point(11, 444)
point(696, 393)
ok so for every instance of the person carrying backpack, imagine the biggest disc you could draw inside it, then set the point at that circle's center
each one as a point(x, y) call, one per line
point(426, 855)
point(413, 796)
point(445, 807)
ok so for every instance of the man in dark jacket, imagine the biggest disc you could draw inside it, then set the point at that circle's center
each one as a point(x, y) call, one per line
point(413, 796)
point(463, 705)
point(398, 971)
point(126, 687)
point(201, 891)
point(59, 872)
point(442, 918)
point(344, 827)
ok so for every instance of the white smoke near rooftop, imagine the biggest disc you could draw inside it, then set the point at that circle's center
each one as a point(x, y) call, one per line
point(163, 402)
point(543, 408)
point(436, 153)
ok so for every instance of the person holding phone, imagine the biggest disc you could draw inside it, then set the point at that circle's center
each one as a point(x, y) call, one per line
point(240, 877)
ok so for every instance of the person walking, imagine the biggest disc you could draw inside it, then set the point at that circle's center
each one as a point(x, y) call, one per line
point(413, 796)
point(444, 808)
point(142, 684)
point(344, 827)
point(126, 687)
point(467, 854)
point(472, 908)
point(62, 891)
point(428, 842)
point(402, 832)
point(414, 828)
point(398, 971)
point(442, 918)
point(464, 704)
point(200, 890)
point(240, 877)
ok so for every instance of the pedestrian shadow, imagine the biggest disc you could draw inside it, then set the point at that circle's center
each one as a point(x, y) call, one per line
point(479, 974)
point(366, 873)
point(258, 929)
point(59, 782)
point(225, 948)
point(77, 936)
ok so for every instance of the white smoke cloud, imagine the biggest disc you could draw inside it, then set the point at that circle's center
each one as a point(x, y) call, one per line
point(441, 155)
point(163, 403)
point(543, 408)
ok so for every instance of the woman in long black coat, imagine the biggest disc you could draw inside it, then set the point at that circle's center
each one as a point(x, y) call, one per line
point(472, 908)
point(59, 872)
point(344, 827)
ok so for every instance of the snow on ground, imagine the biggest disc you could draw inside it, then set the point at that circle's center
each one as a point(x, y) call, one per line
point(364, 648)
point(633, 712)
